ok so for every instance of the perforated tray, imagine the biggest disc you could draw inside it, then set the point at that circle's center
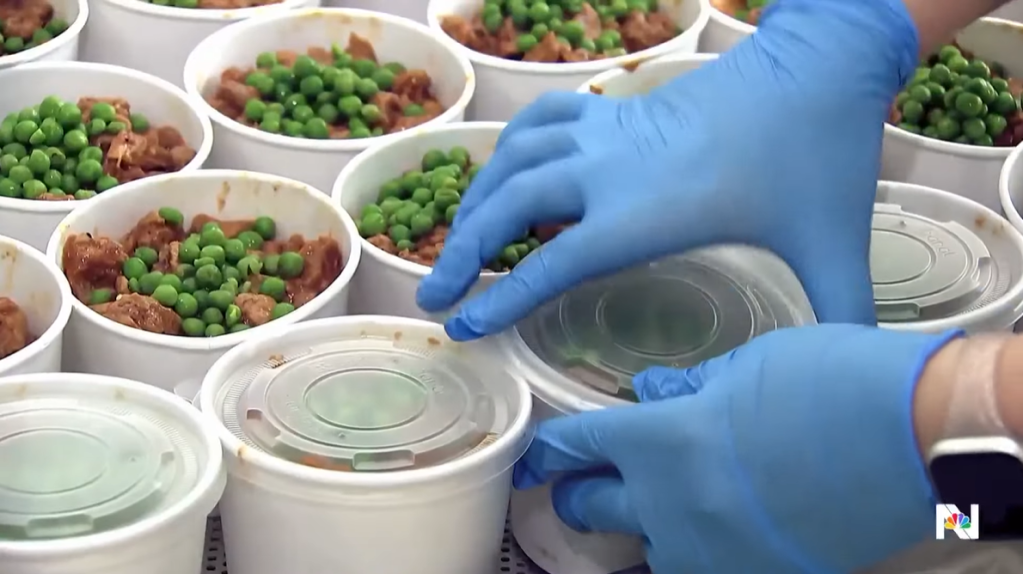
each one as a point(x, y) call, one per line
point(511, 561)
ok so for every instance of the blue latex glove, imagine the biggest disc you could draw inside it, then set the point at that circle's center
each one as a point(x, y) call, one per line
point(794, 454)
point(776, 144)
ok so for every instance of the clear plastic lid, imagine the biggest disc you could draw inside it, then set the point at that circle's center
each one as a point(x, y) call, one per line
point(924, 269)
point(366, 404)
point(676, 312)
point(78, 465)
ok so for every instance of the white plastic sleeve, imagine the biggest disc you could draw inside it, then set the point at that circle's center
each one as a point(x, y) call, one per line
point(973, 407)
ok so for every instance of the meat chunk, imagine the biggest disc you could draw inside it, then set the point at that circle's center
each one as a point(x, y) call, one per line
point(231, 228)
point(322, 266)
point(256, 309)
point(152, 231)
point(92, 263)
point(14, 334)
point(141, 312)
point(360, 48)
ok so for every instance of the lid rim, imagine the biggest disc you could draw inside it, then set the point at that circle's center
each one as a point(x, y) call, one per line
point(202, 497)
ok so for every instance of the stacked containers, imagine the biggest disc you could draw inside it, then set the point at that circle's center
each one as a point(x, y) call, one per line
point(506, 86)
point(102, 476)
point(580, 351)
point(63, 48)
point(317, 162)
point(373, 442)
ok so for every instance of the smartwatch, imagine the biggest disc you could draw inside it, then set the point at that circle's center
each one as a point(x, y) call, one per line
point(982, 471)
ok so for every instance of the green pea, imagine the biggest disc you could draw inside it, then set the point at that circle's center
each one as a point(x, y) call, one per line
point(186, 306)
point(69, 115)
point(421, 223)
point(209, 276)
point(24, 129)
point(266, 60)
point(214, 252)
point(232, 316)
point(15, 149)
point(459, 156)
point(100, 296)
point(996, 124)
point(281, 309)
point(184, 270)
point(7, 161)
point(246, 287)
point(212, 315)
point(103, 111)
point(38, 162)
point(172, 280)
point(188, 252)
point(509, 256)
point(251, 239)
point(984, 140)
point(273, 287)
point(33, 189)
point(171, 216)
point(149, 282)
point(1005, 104)
point(328, 113)
point(9, 189)
point(139, 123)
point(311, 86)
point(202, 297)
point(413, 110)
point(969, 104)
point(203, 262)
point(270, 264)
point(450, 213)
point(221, 299)
point(979, 69)
point(165, 295)
point(212, 236)
point(106, 182)
point(230, 273)
point(254, 109)
point(234, 250)
point(193, 327)
point(974, 128)
point(84, 194)
point(91, 153)
point(305, 66)
point(316, 128)
point(49, 107)
point(89, 171)
point(404, 215)
point(371, 113)
point(398, 232)
point(134, 268)
point(290, 265)
point(148, 255)
point(249, 265)
point(265, 227)
point(52, 132)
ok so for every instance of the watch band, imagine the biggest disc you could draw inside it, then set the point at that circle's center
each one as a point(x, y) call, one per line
point(973, 408)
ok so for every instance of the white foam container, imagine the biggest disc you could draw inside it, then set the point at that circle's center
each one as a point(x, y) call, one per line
point(94, 344)
point(279, 516)
point(941, 557)
point(40, 290)
point(620, 83)
point(723, 32)
point(33, 221)
point(386, 284)
point(1011, 11)
point(411, 9)
point(118, 30)
point(167, 541)
point(317, 162)
point(1003, 242)
point(507, 86)
point(967, 170)
point(63, 48)
point(552, 545)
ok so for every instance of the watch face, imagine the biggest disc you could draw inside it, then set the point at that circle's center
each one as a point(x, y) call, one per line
point(992, 480)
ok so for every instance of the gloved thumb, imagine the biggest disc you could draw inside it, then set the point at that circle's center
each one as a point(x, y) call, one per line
point(595, 502)
point(660, 383)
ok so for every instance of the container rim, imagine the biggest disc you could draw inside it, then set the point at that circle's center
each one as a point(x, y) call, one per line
point(69, 35)
point(55, 249)
point(512, 438)
point(356, 165)
point(202, 152)
point(195, 64)
point(56, 329)
point(665, 62)
point(1010, 301)
point(205, 494)
point(628, 61)
point(1012, 163)
point(201, 14)
point(727, 20)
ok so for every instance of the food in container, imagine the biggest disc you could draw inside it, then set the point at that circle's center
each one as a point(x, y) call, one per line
point(138, 334)
point(435, 87)
point(40, 30)
point(747, 11)
point(378, 430)
point(580, 351)
point(102, 476)
point(35, 304)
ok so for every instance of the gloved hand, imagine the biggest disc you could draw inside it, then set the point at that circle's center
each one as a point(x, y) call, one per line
point(775, 144)
point(794, 454)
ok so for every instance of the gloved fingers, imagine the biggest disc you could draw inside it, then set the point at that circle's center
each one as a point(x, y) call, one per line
point(595, 502)
point(659, 383)
point(549, 108)
point(528, 198)
point(585, 441)
point(836, 277)
point(526, 150)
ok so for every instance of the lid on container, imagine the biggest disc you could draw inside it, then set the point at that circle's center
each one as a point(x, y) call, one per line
point(78, 465)
point(676, 312)
point(924, 269)
point(364, 404)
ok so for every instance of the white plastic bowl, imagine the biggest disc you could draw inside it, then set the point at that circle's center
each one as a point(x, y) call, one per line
point(723, 32)
point(43, 294)
point(411, 9)
point(386, 284)
point(168, 540)
point(1003, 242)
point(98, 345)
point(119, 29)
point(63, 48)
point(317, 162)
point(1011, 11)
point(620, 83)
point(507, 86)
point(279, 516)
point(33, 221)
point(970, 171)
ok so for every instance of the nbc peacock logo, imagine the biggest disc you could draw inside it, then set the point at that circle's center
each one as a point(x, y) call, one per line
point(957, 520)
